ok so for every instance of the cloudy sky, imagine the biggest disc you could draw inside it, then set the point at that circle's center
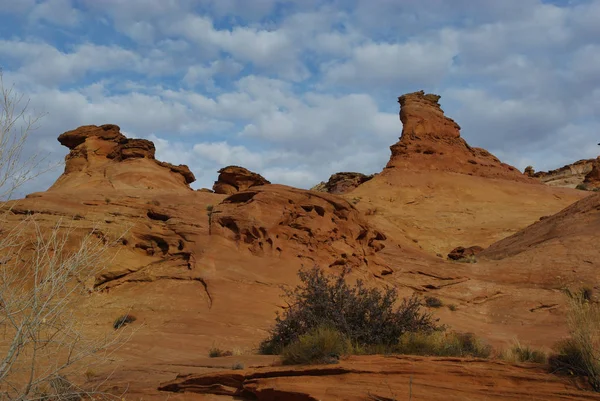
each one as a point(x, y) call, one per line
point(299, 89)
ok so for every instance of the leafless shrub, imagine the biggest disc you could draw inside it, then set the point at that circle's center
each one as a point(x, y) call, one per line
point(43, 271)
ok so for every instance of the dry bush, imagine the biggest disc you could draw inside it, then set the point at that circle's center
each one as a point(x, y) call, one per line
point(580, 353)
point(215, 352)
point(433, 302)
point(42, 272)
point(366, 316)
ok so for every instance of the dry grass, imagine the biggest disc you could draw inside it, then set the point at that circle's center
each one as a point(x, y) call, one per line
point(322, 345)
point(215, 352)
point(524, 353)
point(580, 354)
point(442, 343)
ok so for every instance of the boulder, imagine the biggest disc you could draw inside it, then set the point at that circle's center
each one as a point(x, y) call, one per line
point(341, 183)
point(233, 179)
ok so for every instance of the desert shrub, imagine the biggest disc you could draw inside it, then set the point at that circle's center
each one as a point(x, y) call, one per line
point(237, 366)
point(319, 346)
point(364, 315)
point(453, 307)
point(215, 352)
point(582, 187)
point(441, 343)
point(525, 353)
point(433, 302)
point(580, 354)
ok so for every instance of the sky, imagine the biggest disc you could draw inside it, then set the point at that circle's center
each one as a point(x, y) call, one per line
point(297, 90)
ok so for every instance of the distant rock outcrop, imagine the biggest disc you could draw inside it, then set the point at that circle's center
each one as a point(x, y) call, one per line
point(569, 176)
point(101, 157)
point(234, 179)
point(431, 141)
point(592, 179)
point(462, 254)
point(341, 183)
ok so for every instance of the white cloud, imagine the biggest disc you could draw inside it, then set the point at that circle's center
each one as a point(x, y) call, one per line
point(57, 12)
point(299, 89)
point(413, 62)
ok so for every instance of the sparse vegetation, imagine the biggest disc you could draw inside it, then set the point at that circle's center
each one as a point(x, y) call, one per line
point(107, 200)
point(442, 343)
point(216, 352)
point(42, 269)
point(525, 353)
point(123, 320)
point(452, 307)
point(580, 354)
point(365, 316)
point(582, 187)
point(209, 212)
point(237, 366)
point(322, 345)
point(433, 302)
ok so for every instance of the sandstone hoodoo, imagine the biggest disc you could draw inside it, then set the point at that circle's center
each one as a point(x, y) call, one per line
point(431, 141)
point(102, 157)
point(233, 179)
point(341, 183)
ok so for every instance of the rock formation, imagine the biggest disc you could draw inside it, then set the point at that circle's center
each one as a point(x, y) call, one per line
point(431, 141)
point(284, 221)
point(102, 157)
point(462, 254)
point(341, 183)
point(569, 176)
point(233, 179)
point(592, 179)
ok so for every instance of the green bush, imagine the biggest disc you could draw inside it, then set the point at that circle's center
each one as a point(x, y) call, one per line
point(582, 187)
point(441, 343)
point(321, 345)
point(366, 316)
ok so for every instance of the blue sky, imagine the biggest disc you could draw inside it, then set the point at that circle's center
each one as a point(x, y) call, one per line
point(299, 89)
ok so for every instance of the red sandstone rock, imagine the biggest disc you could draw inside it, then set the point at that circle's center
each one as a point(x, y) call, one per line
point(341, 183)
point(103, 157)
point(431, 141)
point(233, 179)
point(462, 254)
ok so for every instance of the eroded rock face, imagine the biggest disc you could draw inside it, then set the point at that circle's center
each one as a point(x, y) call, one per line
point(431, 141)
point(101, 156)
point(592, 179)
point(569, 176)
point(276, 220)
point(233, 179)
point(341, 183)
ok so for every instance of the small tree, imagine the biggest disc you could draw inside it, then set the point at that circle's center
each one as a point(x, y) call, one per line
point(41, 273)
point(364, 315)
